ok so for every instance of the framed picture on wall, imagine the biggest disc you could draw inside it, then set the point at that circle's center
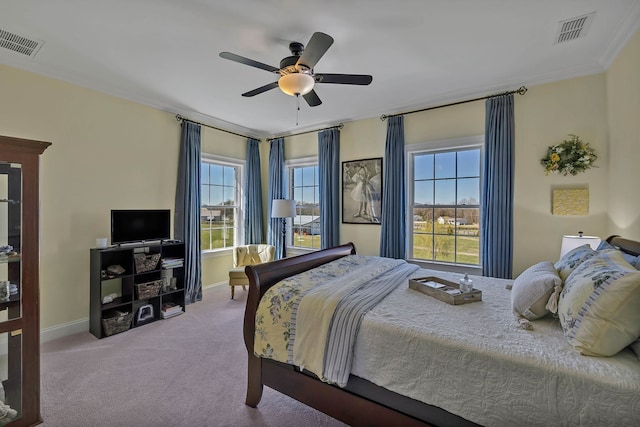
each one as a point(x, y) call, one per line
point(362, 191)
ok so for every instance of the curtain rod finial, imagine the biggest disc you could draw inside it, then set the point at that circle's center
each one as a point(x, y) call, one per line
point(522, 90)
point(178, 117)
point(383, 117)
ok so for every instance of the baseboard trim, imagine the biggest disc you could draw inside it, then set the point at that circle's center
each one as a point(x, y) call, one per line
point(64, 329)
point(82, 325)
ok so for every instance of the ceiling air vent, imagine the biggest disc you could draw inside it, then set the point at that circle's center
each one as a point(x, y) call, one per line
point(571, 29)
point(19, 44)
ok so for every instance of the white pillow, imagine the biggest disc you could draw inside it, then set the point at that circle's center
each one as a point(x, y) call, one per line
point(532, 288)
point(598, 307)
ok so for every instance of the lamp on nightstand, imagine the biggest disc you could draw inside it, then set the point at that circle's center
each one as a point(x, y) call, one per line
point(283, 208)
point(572, 242)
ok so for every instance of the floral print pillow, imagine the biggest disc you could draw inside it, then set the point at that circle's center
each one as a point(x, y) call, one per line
point(572, 259)
point(598, 307)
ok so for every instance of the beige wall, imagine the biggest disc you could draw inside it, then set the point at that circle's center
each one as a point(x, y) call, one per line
point(623, 102)
point(543, 117)
point(109, 153)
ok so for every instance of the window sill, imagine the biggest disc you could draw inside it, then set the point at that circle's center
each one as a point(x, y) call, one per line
point(462, 269)
point(216, 253)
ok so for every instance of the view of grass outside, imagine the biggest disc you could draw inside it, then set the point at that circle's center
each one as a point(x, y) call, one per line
point(306, 241)
point(216, 235)
point(446, 242)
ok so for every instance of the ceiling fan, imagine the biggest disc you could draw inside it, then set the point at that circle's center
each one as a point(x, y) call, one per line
point(296, 71)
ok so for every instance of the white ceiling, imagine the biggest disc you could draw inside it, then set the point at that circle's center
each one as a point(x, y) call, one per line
point(421, 53)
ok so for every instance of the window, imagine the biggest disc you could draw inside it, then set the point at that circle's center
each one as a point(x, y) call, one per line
point(221, 202)
point(304, 188)
point(444, 201)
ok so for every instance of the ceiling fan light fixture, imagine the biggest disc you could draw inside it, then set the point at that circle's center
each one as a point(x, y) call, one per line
point(296, 84)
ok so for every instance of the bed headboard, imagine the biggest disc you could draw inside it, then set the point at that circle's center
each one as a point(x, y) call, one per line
point(625, 245)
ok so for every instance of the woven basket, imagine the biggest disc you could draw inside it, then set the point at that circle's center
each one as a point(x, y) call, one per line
point(148, 289)
point(146, 263)
point(117, 324)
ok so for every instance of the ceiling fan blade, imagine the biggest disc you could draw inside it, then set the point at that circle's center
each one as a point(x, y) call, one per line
point(344, 79)
point(261, 89)
point(316, 48)
point(241, 59)
point(312, 98)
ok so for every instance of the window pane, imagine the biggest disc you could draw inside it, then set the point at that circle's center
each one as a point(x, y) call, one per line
point(423, 246)
point(423, 166)
point(445, 193)
point(204, 195)
point(423, 192)
point(308, 175)
point(444, 248)
point(229, 176)
point(468, 250)
point(306, 225)
point(297, 177)
point(215, 174)
point(469, 191)
point(445, 205)
point(423, 220)
point(445, 165)
point(308, 194)
point(229, 196)
point(216, 195)
point(204, 173)
point(469, 163)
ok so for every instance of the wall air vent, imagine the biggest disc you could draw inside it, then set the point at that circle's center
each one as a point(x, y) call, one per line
point(574, 28)
point(19, 44)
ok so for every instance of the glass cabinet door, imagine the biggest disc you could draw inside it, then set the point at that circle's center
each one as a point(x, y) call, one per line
point(10, 291)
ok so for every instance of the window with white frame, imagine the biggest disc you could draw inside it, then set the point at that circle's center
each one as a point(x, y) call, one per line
point(221, 216)
point(304, 189)
point(444, 201)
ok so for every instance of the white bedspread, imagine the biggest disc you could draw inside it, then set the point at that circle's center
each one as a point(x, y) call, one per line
point(474, 361)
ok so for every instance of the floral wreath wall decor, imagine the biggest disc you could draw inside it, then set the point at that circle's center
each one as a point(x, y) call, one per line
point(572, 156)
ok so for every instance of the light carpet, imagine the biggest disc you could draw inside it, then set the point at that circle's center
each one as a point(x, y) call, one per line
point(190, 370)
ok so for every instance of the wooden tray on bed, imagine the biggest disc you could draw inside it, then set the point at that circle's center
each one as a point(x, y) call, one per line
point(428, 285)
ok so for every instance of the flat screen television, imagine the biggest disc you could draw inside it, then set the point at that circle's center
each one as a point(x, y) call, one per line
point(131, 225)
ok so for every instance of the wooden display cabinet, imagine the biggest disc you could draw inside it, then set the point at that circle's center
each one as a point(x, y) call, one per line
point(19, 281)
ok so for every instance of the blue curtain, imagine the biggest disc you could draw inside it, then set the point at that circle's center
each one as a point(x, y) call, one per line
point(393, 233)
point(276, 191)
point(329, 186)
point(253, 229)
point(187, 209)
point(496, 230)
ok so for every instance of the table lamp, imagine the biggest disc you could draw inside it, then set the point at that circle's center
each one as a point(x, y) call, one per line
point(572, 242)
point(283, 208)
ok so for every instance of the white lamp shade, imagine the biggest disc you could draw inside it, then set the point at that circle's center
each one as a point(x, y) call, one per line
point(283, 208)
point(572, 242)
point(296, 84)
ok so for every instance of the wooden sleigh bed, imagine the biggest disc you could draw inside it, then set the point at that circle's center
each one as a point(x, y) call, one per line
point(360, 402)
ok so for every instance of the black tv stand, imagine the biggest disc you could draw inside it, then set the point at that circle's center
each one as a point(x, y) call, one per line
point(123, 291)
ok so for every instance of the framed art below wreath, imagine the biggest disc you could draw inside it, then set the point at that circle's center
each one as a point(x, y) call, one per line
point(362, 191)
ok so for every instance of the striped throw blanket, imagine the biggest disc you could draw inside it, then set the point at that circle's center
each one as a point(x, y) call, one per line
point(311, 320)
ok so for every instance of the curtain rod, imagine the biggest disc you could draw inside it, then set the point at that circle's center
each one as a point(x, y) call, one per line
point(339, 126)
point(520, 91)
point(182, 119)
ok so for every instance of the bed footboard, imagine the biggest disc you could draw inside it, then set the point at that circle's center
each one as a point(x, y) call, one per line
point(261, 278)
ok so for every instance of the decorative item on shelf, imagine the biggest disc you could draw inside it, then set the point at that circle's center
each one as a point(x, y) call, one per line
point(570, 157)
point(466, 284)
point(148, 289)
point(119, 322)
point(146, 262)
point(5, 290)
point(283, 208)
point(572, 242)
point(115, 270)
point(145, 315)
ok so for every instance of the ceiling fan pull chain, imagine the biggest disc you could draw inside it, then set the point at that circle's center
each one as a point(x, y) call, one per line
point(297, 107)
